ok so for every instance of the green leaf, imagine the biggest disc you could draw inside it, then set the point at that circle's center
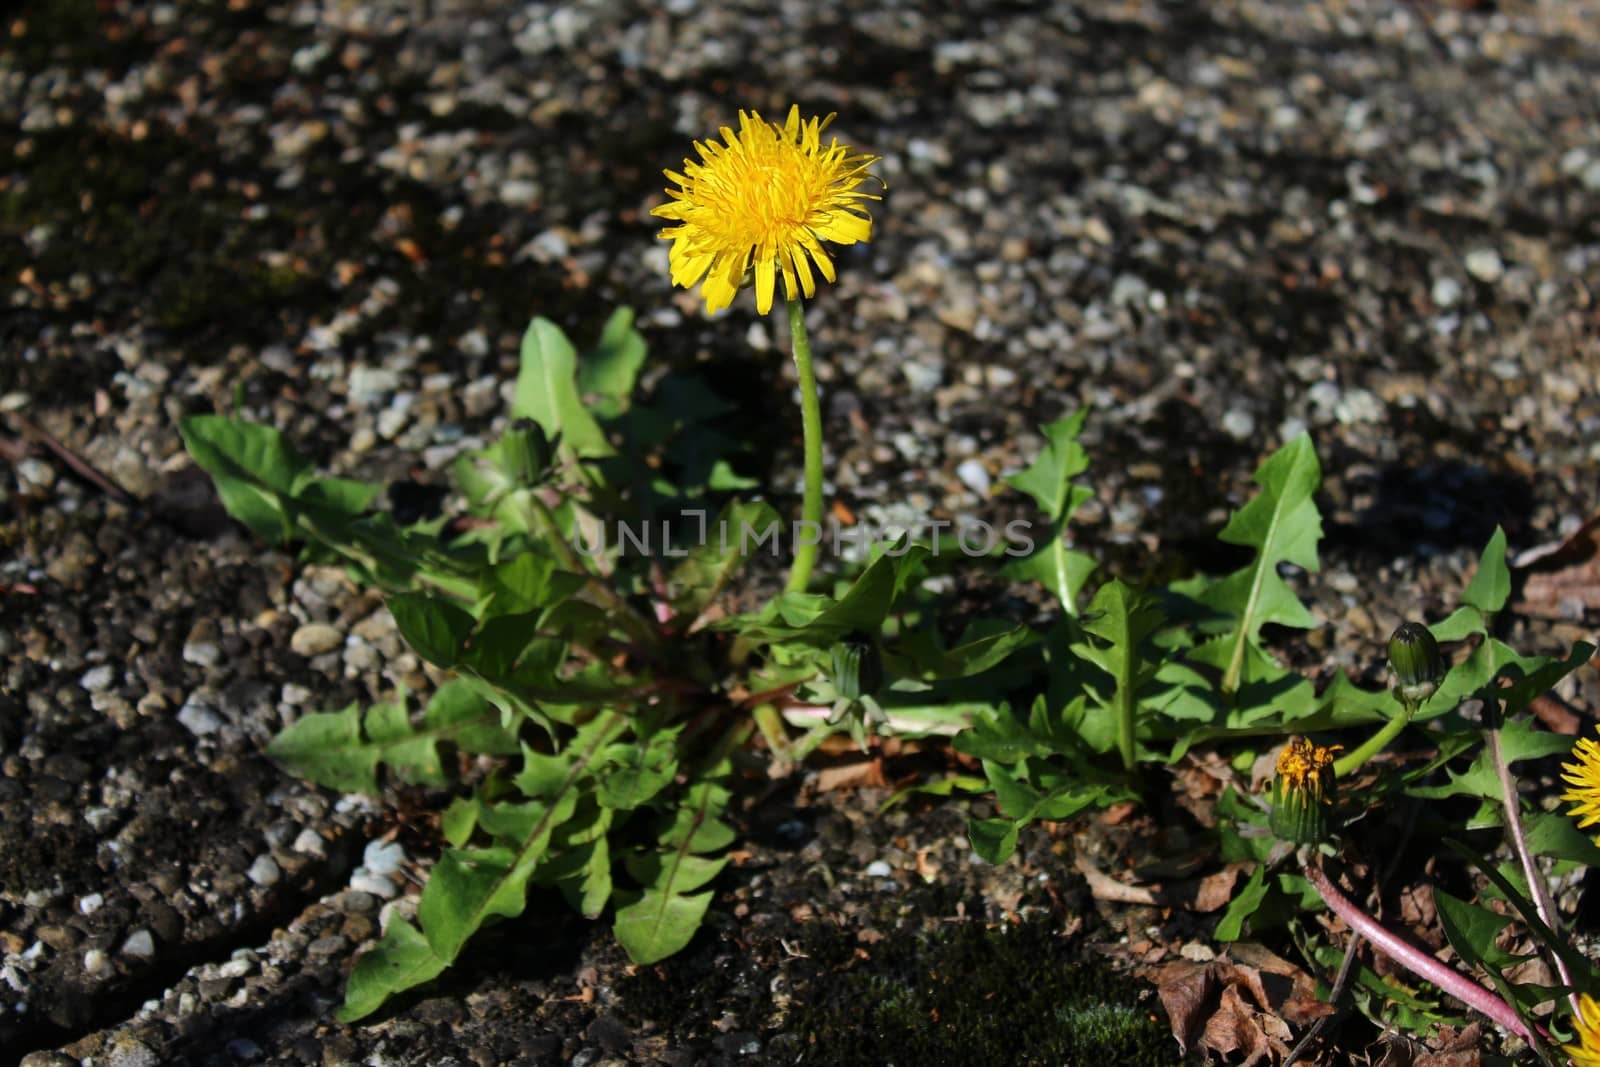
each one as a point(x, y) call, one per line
point(1283, 525)
point(435, 628)
point(1557, 835)
point(993, 839)
point(1049, 482)
point(403, 959)
point(579, 860)
point(1519, 740)
point(1491, 585)
point(1124, 620)
point(661, 918)
point(998, 736)
point(632, 773)
point(547, 391)
point(329, 747)
point(255, 471)
point(607, 374)
point(722, 550)
point(1472, 931)
point(468, 887)
point(984, 645)
point(1243, 905)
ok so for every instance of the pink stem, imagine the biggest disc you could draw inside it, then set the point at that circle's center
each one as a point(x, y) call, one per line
point(1414, 959)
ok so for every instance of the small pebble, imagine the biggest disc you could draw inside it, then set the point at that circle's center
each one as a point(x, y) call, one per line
point(264, 871)
point(139, 945)
point(879, 869)
point(199, 719)
point(378, 885)
point(90, 903)
point(1446, 292)
point(382, 857)
point(98, 679)
point(1485, 265)
point(975, 476)
point(315, 638)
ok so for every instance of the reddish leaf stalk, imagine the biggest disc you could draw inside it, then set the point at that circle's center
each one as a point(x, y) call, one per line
point(1414, 959)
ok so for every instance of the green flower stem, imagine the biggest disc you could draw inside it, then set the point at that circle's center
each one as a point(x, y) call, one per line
point(805, 549)
point(1353, 761)
point(567, 556)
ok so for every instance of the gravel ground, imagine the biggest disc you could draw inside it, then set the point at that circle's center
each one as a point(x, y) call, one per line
point(1218, 224)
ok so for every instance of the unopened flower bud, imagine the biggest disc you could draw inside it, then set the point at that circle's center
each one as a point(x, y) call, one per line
point(1302, 793)
point(1418, 667)
point(524, 453)
point(857, 668)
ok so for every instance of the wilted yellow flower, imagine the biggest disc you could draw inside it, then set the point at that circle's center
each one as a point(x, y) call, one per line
point(1586, 1053)
point(765, 199)
point(1584, 777)
point(1303, 791)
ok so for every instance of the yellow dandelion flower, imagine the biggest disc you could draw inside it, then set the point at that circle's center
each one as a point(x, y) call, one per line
point(766, 198)
point(1584, 777)
point(1586, 1053)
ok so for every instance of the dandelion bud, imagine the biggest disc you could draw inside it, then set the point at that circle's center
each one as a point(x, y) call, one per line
point(857, 668)
point(524, 453)
point(1418, 667)
point(1302, 793)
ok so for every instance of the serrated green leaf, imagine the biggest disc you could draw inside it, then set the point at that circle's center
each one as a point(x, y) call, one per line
point(994, 840)
point(1049, 482)
point(1472, 931)
point(722, 551)
point(997, 735)
point(547, 392)
point(578, 862)
point(435, 628)
point(471, 886)
point(403, 959)
point(1282, 524)
point(255, 471)
point(632, 773)
point(1124, 620)
point(606, 375)
point(982, 646)
point(663, 917)
point(460, 820)
point(343, 749)
point(1557, 835)
point(1243, 905)
point(657, 923)
point(1491, 584)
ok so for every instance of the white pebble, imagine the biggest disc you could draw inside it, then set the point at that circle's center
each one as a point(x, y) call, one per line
point(378, 885)
point(1446, 292)
point(95, 962)
point(89, 904)
point(139, 945)
point(975, 476)
point(264, 871)
point(310, 843)
point(879, 869)
point(199, 719)
point(98, 679)
point(1485, 265)
point(382, 857)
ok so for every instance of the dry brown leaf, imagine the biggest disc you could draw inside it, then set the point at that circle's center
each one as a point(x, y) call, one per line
point(1215, 890)
point(1456, 1048)
point(1228, 1008)
point(1105, 887)
point(1562, 581)
point(859, 774)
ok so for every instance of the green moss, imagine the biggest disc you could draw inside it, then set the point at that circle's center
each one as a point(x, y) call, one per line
point(967, 994)
point(955, 994)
